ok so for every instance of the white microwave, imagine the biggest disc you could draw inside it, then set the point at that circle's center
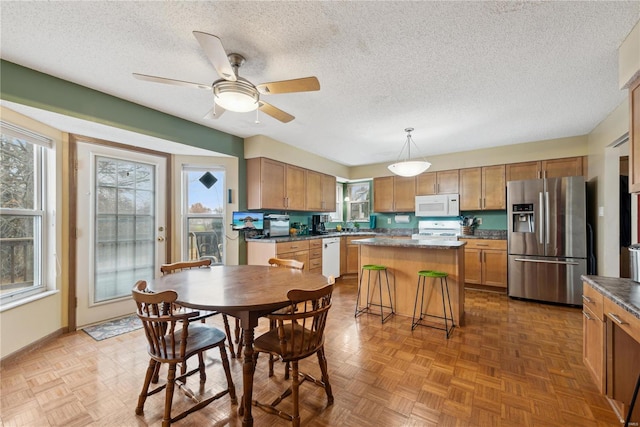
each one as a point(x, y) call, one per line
point(438, 205)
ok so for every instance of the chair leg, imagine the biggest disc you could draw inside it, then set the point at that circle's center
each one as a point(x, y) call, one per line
point(227, 373)
point(295, 389)
point(229, 337)
point(171, 381)
point(322, 361)
point(151, 369)
point(201, 367)
point(156, 374)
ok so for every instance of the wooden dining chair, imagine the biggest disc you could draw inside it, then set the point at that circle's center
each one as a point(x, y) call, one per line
point(298, 334)
point(172, 338)
point(289, 263)
point(274, 262)
point(200, 263)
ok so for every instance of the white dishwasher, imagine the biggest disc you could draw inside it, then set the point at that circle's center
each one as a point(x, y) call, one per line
point(331, 257)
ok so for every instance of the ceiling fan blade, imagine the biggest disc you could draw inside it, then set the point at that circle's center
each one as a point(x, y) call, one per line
point(274, 112)
point(218, 112)
point(305, 84)
point(212, 47)
point(170, 81)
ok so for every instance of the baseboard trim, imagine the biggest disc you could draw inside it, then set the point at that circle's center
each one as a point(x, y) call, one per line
point(31, 347)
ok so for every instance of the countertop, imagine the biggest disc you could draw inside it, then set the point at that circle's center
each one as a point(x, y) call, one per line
point(479, 234)
point(310, 236)
point(623, 292)
point(411, 243)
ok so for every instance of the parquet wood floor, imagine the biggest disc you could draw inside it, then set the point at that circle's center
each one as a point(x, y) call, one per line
point(515, 363)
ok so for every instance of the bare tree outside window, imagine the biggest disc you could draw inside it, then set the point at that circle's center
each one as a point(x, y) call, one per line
point(21, 214)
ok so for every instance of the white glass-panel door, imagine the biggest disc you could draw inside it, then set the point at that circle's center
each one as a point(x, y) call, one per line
point(120, 228)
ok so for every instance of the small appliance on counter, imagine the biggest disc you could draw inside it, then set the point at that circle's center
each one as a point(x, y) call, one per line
point(317, 224)
point(276, 225)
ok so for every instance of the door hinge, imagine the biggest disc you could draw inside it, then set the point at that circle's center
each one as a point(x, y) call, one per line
point(76, 302)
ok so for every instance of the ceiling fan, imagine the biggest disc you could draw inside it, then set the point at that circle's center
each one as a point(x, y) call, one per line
point(232, 92)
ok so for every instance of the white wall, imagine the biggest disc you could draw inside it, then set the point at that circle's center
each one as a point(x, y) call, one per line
point(604, 174)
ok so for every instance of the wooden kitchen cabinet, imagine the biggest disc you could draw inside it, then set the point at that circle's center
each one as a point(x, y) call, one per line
point(634, 137)
point(315, 255)
point(593, 333)
point(275, 185)
point(404, 194)
point(258, 253)
point(483, 188)
point(352, 255)
point(441, 182)
point(383, 194)
point(394, 194)
point(485, 262)
point(320, 192)
point(550, 168)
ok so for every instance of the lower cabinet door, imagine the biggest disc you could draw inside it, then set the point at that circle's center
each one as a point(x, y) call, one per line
point(593, 330)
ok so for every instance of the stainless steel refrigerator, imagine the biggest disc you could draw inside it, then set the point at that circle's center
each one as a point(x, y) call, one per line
point(547, 242)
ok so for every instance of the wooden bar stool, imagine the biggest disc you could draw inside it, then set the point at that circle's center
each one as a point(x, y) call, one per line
point(444, 285)
point(369, 268)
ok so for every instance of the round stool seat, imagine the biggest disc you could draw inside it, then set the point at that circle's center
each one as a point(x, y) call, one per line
point(374, 267)
point(432, 273)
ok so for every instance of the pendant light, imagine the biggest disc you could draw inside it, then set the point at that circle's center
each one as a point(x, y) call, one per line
point(408, 167)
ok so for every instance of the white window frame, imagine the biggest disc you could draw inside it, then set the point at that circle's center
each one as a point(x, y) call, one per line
point(350, 202)
point(185, 208)
point(44, 237)
point(337, 215)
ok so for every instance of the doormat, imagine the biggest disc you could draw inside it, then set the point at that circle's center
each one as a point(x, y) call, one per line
point(113, 328)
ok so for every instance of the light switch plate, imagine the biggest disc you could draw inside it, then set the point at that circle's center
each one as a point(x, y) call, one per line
point(601, 211)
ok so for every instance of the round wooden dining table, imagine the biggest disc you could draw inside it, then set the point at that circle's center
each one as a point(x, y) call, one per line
point(246, 292)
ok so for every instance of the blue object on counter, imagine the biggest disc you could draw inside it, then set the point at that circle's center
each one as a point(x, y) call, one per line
point(372, 221)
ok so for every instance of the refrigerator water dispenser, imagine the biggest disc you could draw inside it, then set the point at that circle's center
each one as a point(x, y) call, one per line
point(523, 218)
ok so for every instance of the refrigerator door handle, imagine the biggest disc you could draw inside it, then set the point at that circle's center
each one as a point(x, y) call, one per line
point(541, 226)
point(546, 217)
point(541, 261)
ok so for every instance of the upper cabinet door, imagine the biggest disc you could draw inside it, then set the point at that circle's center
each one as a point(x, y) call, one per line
point(523, 171)
point(296, 187)
point(404, 194)
point(557, 168)
point(494, 188)
point(328, 193)
point(470, 189)
point(383, 194)
point(314, 191)
point(266, 184)
point(448, 182)
point(426, 183)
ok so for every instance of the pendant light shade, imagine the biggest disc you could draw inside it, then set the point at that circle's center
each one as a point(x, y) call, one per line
point(405, 166)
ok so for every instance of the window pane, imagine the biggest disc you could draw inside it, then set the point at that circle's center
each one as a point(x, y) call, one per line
point(19, 237)
point(125, 222)
point(17, 174)
point(205, 215)
point(358, 205)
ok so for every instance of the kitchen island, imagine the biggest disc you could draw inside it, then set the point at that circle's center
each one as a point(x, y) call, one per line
point(404, 258)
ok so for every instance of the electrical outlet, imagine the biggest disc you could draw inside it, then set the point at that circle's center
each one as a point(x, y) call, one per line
point(388, 220)
point(479, 221)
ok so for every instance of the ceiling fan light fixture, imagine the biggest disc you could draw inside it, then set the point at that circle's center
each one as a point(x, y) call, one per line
point(239, 96)
point(408, 167)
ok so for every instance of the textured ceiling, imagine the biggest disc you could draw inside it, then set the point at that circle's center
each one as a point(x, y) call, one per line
point(465, 75)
